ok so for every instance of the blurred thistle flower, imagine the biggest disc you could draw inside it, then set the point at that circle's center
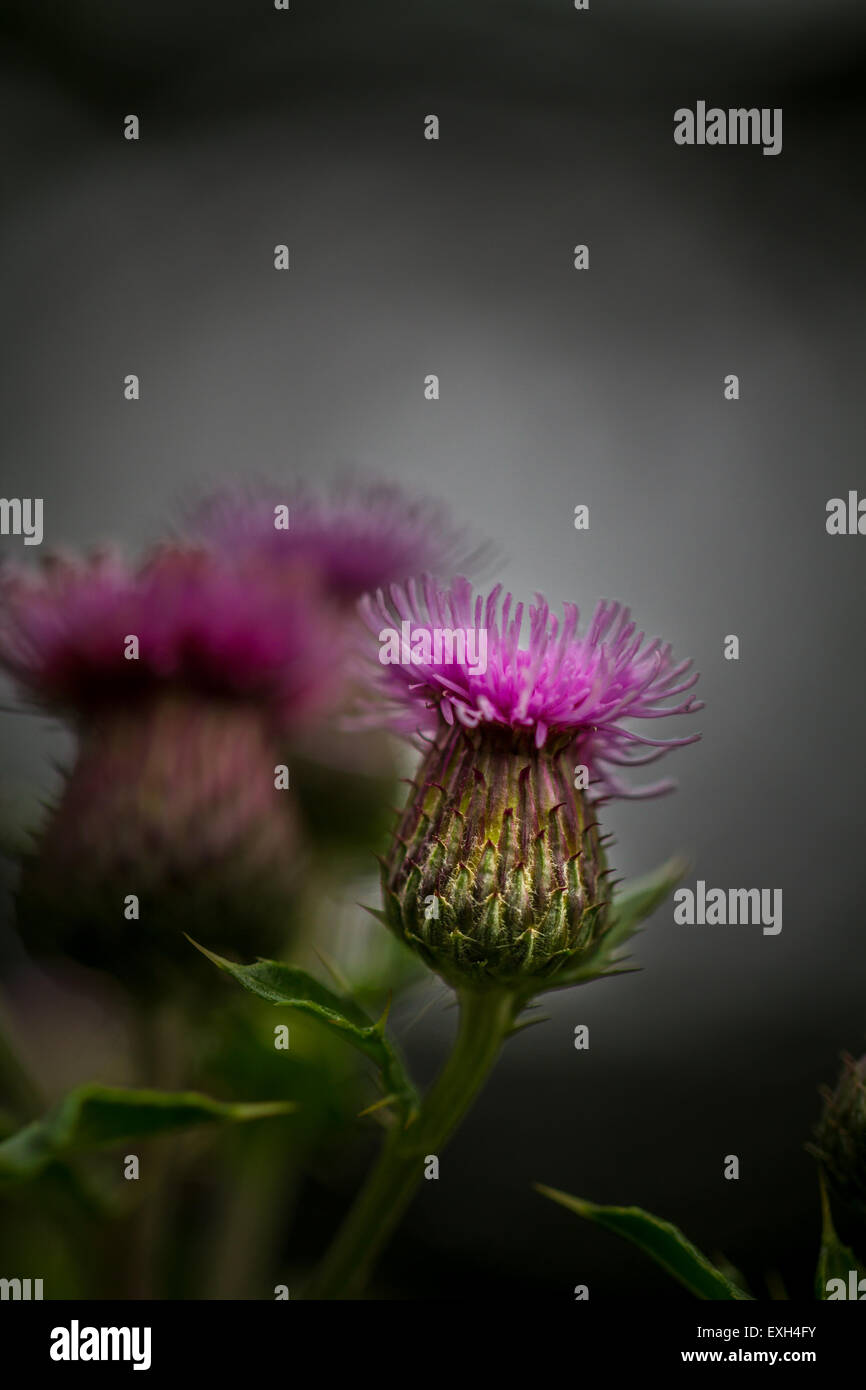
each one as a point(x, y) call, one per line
point(349, 545)
point(177, 676)
point(497, 872)
point(202, 625)
point(840, 1135)
point(345, 545)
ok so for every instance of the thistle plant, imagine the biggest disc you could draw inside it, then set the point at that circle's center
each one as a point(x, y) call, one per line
point(174, 675)
point(184, 675)
point(186, 680)
point(496, 873)
point(839, 1145)
point(840, 1135)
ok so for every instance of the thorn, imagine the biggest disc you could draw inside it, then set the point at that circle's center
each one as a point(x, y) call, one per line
point(373, 911)
point(217, 960)
point(379, 1025)
point(378, 1105)
point(525, 1023)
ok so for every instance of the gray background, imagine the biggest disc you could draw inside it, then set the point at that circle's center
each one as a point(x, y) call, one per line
point(558, 388)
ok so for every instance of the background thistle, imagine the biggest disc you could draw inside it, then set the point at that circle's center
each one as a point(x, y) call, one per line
point(840, 1135)
point(177, 676)
point(172, 801)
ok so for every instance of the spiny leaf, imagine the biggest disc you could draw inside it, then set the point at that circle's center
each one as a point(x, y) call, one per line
point(645, 894)
point(94, 1116)
point(659, 1239)
point(294, 988)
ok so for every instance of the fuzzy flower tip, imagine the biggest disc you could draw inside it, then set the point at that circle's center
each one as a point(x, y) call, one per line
point(449, 657)
point(199, 625)
point(351, 545)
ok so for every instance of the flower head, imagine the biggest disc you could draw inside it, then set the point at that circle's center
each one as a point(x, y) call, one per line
point(497, 871)
point(179, 674)
point(552, 687)
point(198, 624)
point(350, 545)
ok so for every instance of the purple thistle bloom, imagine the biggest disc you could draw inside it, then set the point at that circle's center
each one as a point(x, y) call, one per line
point(173, 797)
point(496, 873)
point(202, 625)
point(350, 545)
point(556, 688)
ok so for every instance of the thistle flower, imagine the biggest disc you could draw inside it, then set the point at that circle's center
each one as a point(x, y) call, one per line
point(497, 872)
point(201, 624)
point(349, 545)
point(176, 676)
point(341, 546)
point(840, 1135)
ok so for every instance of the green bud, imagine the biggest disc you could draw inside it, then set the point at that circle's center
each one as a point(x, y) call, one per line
point(496, 874)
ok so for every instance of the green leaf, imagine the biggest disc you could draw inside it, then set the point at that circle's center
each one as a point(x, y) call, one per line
point(294, 988)
point(626, 913)
point(835, 1260)
point(641, 898)
point(93, 1117)
point(661, 1240)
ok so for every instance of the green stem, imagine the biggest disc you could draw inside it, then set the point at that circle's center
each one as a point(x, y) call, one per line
point(254, 1209)
point(485, 1021)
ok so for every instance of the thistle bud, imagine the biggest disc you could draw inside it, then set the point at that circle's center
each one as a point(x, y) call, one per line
point(496, 873)
point(840, 1135)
